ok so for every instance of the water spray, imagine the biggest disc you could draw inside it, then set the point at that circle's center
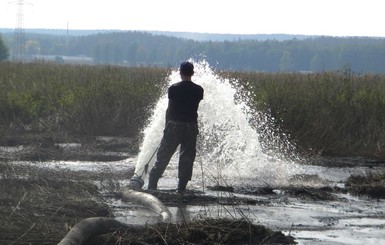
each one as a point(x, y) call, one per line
point(227, 141)
point(136, 182)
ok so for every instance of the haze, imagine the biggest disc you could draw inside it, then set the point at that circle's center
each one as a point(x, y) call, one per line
point(306, 17)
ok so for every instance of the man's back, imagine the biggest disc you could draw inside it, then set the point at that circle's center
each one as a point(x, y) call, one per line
point(184, 98)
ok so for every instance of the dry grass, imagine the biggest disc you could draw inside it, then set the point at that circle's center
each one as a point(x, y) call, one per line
point(94, 100)
point(220, 231)
point(39, 206)
point(372, 185)
point(329, 114)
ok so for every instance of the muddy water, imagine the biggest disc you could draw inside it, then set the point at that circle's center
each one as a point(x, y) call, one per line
point(345, 220)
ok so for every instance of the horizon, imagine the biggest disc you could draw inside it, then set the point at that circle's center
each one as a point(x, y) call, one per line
point(343, 18)
point(199, 36)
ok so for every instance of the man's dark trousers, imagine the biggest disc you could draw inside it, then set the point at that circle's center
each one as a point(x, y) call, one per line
point(175, 134)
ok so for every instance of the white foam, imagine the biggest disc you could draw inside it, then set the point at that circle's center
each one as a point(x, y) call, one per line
point(228, 147)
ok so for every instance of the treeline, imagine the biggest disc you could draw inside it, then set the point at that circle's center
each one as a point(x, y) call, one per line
point(313, 54)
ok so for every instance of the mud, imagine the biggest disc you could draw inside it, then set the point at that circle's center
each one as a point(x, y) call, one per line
point(47, 147)
point(209, 231)
point(40, 203)
point(48, 184)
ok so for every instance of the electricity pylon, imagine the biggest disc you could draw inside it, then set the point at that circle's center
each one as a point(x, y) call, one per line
point(19, 35)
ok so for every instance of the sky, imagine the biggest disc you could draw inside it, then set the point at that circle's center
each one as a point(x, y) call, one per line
point(303, 17)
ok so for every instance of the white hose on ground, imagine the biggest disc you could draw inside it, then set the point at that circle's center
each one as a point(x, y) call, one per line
point(100, 225)
point(90, 227)
point(149, 201)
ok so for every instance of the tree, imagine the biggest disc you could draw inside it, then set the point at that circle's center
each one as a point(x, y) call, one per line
point(4, 53)
point(32, 47)
point(286, 63)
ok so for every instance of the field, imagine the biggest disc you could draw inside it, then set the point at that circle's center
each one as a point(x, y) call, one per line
point(332, 114)
point(91, 100)
point(335, 114)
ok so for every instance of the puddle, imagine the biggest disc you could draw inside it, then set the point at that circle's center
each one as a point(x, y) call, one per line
point(344, 220)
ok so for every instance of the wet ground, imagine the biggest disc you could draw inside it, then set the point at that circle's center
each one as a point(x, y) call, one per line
point(311, 212)
point(312, 215)
point(315, 207)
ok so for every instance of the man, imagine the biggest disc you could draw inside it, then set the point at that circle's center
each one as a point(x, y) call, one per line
point(181, 129)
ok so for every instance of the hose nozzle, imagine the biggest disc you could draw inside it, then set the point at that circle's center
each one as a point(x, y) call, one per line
point(136, 183)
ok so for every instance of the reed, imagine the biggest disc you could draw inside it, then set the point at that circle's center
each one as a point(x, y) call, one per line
point(98, 100)
point(331, 113)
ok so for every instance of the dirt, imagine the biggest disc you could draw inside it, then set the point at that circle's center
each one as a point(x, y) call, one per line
point(62, 147)
point(372, 186)
point(40, 205)
point(210, 231)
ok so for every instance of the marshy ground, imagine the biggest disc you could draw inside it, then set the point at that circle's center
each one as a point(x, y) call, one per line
point(40, 205)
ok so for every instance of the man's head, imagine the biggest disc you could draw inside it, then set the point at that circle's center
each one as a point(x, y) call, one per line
point(186, 69)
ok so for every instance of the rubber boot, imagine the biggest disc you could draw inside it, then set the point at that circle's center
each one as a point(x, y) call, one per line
point(181, 186)
point(152, 182)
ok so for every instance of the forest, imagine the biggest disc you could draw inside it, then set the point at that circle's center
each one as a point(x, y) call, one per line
point(361, 55)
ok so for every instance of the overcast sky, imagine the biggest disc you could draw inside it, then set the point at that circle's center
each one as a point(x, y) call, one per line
point(308, 17)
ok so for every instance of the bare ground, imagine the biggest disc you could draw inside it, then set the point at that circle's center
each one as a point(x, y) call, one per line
point(40, 205)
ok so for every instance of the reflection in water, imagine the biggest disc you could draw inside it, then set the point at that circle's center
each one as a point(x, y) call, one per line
point(182, 215)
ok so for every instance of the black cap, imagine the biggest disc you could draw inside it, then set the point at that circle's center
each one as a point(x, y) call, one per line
point(187, 68)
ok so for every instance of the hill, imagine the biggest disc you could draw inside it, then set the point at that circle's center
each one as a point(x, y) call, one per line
point(184, 35)
point(261, 53)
